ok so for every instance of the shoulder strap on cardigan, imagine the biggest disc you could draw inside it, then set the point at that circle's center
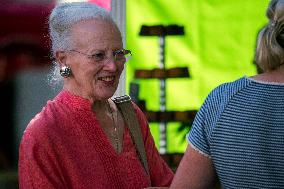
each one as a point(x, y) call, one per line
point(125, 106)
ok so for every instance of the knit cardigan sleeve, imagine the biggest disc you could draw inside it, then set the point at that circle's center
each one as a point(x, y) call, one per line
point(160, 173)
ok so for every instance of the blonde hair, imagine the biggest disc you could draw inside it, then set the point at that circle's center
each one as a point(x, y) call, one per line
point(270, 45)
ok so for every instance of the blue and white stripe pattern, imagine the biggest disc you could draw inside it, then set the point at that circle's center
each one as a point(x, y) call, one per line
point(241, 127)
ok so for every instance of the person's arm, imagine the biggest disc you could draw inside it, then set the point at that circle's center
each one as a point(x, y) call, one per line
point(38, 165)
point(195, 171)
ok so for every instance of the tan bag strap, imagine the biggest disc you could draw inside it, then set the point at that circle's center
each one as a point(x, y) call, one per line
point(125, 106)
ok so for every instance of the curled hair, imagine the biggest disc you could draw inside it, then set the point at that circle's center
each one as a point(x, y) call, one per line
point(270, 44)
point(54, 78)
point(61, 20)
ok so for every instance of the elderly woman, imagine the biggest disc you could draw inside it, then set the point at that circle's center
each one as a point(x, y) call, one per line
point(80, 138)
point(238, 134)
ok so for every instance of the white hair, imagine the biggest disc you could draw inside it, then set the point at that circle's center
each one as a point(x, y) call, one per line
point(65, 15)
point(61, 20)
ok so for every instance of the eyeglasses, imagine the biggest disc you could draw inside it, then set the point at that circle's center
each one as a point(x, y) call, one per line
point(121, 55)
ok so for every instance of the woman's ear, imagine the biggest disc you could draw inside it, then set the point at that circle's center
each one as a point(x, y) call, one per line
point(61, 57)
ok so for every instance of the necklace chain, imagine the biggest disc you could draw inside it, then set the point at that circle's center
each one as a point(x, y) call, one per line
point(115, 130)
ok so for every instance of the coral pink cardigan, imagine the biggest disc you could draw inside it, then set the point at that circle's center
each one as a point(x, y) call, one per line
point(64, 146)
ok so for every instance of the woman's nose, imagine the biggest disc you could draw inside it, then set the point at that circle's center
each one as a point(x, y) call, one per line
point(110, 63)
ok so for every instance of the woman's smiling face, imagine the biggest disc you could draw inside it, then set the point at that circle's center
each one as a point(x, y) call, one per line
point(95, 72)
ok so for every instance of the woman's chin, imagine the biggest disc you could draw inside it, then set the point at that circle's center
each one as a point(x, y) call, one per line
point(104, 96)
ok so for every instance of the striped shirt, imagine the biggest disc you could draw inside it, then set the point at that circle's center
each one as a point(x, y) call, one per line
point(241, 127)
